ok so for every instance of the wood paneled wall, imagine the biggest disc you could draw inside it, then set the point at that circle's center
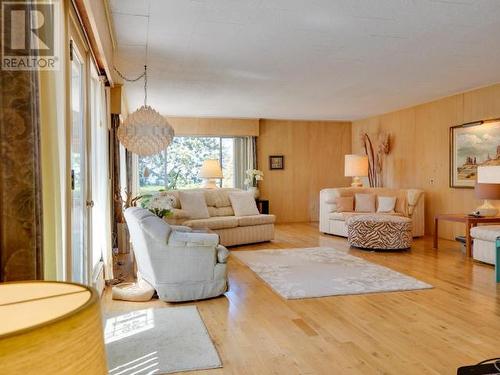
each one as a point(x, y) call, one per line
point(314, 159)
point(420, 149)
point(214, 126)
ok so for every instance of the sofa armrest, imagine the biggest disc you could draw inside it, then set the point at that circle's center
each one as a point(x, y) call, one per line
point(180, 228)
point(416, 211)
point(222, 254)
point(326, 206)
point(190, 239)
point(413, 197)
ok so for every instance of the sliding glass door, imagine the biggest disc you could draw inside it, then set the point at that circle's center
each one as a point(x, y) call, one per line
point(79, 258)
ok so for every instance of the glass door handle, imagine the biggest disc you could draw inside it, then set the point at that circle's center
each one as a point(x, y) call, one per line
point(90, 204)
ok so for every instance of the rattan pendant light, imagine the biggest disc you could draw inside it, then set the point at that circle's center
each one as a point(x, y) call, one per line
point(145, 132)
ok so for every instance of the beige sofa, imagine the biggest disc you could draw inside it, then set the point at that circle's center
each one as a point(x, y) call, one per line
point(232, 230)
point(409, 203)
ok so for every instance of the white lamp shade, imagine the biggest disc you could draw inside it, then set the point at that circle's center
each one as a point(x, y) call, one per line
point(488, 174)
point(356, 165)
point(211, 169)
point(50, 328)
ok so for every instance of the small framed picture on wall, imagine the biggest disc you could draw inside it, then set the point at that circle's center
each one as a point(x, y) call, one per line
point(276, 162)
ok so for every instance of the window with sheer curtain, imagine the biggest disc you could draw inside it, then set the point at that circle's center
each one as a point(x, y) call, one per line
point(178, 166)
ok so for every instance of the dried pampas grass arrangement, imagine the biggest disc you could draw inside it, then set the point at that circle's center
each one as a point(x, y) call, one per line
point(376, 159)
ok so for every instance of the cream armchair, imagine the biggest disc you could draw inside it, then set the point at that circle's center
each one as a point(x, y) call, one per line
point(180, 264)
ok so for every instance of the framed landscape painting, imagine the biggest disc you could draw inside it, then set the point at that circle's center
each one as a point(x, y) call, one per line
point(472, 145)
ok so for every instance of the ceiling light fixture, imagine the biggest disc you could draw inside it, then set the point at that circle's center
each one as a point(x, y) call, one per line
point(145, 132)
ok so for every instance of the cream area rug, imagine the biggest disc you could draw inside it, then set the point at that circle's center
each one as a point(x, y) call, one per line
point(321, 272)
point(158, 341)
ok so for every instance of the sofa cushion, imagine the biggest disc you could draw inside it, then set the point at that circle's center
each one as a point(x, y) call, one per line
point(218, 197)
point(386, 204)
point(343, 216)
point(193, 202)
point(246, 221)
point(222, 222)
point(364, 202)
point(336, 216)
point(179, 214)
point(486, 232)
point(220, 211)
point(243, 203)
point(344, 204)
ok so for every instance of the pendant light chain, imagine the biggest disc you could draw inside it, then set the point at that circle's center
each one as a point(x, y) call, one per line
point(145, 85)
point(127, 79)
point(145, 131)
point(145, 74)
point(147, 57)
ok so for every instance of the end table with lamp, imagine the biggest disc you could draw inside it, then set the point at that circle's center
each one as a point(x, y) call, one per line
point(487, 187)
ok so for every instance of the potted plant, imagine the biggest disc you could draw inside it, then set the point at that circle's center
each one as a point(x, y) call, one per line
point(253, 176)
point(159, 204)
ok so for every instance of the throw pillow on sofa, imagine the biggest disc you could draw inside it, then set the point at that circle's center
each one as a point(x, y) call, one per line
point(386, 204)
point(243, 203)
point(364, 202)
point(344, 204)
point(193, 202)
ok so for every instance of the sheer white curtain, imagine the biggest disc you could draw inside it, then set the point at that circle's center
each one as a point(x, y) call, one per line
point(245, 157)
point(101, 186)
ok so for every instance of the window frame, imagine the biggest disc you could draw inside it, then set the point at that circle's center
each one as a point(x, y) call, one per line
point(138, 186)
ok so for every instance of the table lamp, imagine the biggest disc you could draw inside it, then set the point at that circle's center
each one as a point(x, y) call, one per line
point(356, 166)
point(488, 187)
point(49, 328)
point(210, 171)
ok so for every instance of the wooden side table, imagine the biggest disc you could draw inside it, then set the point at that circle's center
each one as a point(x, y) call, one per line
point(263, 206)
point(469, 221)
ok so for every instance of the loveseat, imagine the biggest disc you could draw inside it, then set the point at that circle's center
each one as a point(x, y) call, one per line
point(409, 203)
point(232, 230)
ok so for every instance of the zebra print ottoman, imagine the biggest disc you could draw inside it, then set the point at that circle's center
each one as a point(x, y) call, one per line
point(381, 232)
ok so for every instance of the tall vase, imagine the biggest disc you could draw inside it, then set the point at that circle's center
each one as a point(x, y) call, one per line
point(254, 190)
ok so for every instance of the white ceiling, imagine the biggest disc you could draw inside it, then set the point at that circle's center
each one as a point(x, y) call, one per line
point(304, 59)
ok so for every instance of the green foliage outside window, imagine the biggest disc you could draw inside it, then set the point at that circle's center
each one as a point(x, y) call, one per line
point(178, 166)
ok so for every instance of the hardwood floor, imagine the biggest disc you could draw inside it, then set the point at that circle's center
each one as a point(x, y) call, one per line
point(418, 332)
